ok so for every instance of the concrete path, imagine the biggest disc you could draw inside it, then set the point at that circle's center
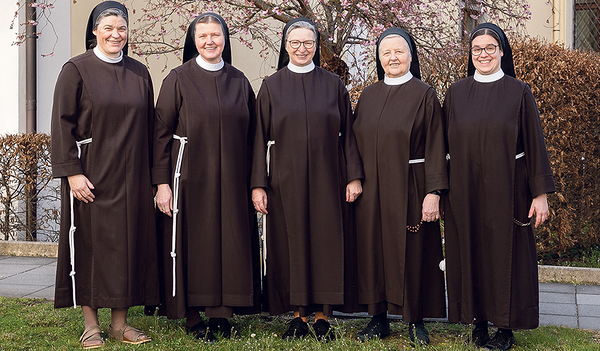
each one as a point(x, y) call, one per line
point(22, 276)
point(570, 305)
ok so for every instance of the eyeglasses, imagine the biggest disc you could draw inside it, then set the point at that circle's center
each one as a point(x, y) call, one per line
point(295, 44)
point(489, 49)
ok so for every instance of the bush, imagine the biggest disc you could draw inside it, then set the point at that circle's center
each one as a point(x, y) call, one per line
point(566, 85)
point(26, 186)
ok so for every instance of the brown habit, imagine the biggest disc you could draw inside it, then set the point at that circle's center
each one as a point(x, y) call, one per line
point(398, 269)
point(217, 241)
point(492, 262)
point(115, 243)
point(308, 115)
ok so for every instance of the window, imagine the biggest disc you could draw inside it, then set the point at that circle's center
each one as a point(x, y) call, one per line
point(587, 25)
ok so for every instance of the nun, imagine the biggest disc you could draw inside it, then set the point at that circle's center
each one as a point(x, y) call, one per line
point(102, 125)
point(400, 136)
point(205, 117)
point(305, 167)
point(499, 176)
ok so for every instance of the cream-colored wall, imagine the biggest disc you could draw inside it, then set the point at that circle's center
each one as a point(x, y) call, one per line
point(254, 67)
point(80, 12)
point(542, 23)
point(552, 20)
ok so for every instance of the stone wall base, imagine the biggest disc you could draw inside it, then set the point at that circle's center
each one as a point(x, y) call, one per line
point(28, 248)
point(574, 275)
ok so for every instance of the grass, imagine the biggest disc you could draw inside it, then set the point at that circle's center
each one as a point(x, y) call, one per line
point(33, 324)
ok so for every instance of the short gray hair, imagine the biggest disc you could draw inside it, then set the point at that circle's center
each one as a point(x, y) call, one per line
point(206, 19)
point(394, 36)
point(301, 24)
point(110, 12)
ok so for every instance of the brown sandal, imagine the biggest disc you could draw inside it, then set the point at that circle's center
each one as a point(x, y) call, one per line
point(91, 334)
point(119, 335)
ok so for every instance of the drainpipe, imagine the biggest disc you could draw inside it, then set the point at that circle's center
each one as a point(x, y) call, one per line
point(31, 69)
point(31, 115)
point(556, 22)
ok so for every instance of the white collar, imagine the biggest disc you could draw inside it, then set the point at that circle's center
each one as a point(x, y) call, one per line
point(99, 54)
point(301, 69)
point(398, 80)
point(488, 78)
point(213, 67)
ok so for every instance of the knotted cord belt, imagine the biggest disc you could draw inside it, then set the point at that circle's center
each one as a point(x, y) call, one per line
point(72, 228)
point(264, 216)
point(416, 160)
point(415, 228)
point(176, 176)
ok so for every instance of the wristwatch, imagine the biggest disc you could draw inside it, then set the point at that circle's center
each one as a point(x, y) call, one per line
point(436, 192)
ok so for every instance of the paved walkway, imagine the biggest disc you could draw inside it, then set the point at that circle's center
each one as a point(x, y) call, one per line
point(570, 305)
point(22, 276)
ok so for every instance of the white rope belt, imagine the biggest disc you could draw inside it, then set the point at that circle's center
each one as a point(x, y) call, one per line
point(518, 156)
point(72, 228)
point(176, 176)
point(264, 216)
point(416, 160)
point(269, 144)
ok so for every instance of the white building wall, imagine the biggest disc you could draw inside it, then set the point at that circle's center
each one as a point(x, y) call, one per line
point(542, 22)
point(9, 79)
point(49, 66)
point(12, 60)
point(552, 20)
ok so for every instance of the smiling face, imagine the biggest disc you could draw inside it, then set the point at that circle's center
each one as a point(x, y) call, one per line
point(394, 56)
point(111, 35)
point(210, 41)
point(485, 63)
point(301, 56)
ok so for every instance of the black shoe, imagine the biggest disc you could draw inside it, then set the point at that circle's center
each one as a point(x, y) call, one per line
point(220, 326)
point(200, 332)
point(479, 335)
point(150, 310)
point(323, 330)
point(377, 328)
point(418, 334)
point(298, 329)
point(503, 340)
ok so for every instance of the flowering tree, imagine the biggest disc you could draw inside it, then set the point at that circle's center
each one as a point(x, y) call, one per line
point(34, 11)
point(348, 28)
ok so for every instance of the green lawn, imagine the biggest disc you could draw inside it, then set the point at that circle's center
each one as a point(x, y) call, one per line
point(33, 324)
